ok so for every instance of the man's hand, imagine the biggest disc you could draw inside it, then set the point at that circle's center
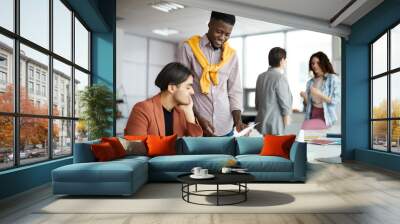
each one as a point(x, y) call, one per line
point(208, 128)
point(240, 126)
point(286, 120)
point(188, 110)
point(237, 120)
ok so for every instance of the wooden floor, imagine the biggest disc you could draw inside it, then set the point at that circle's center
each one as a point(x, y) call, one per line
point(377, 188)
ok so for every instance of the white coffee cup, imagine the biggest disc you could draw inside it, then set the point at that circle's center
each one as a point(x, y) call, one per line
point(203, 172)
point(196, 170)
point(226, 170)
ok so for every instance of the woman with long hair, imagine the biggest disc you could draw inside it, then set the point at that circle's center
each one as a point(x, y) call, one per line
point(323, 90)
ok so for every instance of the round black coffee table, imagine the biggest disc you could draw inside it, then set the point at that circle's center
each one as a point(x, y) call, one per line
point(238, 179)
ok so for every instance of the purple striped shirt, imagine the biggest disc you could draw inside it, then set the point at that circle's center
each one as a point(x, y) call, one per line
point(223, 98)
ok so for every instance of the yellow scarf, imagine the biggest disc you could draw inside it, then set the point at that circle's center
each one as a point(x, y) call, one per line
point(210, 71)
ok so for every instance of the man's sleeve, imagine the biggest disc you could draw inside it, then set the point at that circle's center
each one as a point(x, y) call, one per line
point(137, 123)
point(235, 91)
point(258, 88)
point(194, 130)
point(183, 54)
point(284, 96)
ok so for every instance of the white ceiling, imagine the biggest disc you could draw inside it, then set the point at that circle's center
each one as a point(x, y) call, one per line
point(139, 18)
point(253, 16)
point(318, 9)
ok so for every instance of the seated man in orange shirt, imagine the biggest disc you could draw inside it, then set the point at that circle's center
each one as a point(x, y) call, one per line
point(170, 111)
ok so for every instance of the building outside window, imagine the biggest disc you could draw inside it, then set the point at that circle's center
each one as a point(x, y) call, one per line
point(3, 71)
point(30, 72)
point(3, 61)
point(44, 77)
point(3, 78)
point(37, 74)
point(43, 90)
point(385, 96)
point(30, 87)
point(38, 89)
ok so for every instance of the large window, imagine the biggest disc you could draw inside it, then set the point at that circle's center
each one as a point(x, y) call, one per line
point(7, 14)
point(385, 96)
point(44, 62)
point(299, 44)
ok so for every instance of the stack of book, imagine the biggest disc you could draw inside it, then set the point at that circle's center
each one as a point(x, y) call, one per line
point(318, 137)
point(326, 141)
point(308, 135)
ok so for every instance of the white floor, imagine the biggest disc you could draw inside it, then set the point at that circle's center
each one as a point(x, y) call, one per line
point(324, 153)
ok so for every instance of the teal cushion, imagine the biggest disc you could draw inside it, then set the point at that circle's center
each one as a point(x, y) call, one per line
point(185, 163)
point(83, 152)
point(257, 163)
point(206, 145)
point(249, 145)
point(111, 171)
point(133, 158)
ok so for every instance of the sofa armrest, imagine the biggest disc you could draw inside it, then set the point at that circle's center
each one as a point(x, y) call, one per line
point(298, 155)
point(83, 152)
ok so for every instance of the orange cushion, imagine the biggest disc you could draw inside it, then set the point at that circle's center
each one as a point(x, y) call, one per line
point(116, 145)
point(277, 145)
point(161, 145)
point(136, 137)
point(103, 151)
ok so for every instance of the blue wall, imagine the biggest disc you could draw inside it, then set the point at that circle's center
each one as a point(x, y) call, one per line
point(99, 16)
point(24, 178)
point(356, 99)
point(104, 52)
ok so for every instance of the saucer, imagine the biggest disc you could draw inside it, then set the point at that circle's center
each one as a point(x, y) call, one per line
point(208, 176)
point(240, 171)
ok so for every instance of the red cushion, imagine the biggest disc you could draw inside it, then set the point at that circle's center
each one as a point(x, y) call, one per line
point(116, 145)
point(103, 151)
point(277, 145)
point(161, 145)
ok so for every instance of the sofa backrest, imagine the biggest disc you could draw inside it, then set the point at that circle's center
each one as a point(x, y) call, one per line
point(206, 145)
point(249, 145)
point(83, 153)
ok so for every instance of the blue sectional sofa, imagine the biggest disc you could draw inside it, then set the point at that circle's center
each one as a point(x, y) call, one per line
point(125, 176)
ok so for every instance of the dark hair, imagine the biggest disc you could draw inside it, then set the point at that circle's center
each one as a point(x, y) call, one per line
point(227, 18)
point(324, 63)
point(275, 56)
point(173, 73)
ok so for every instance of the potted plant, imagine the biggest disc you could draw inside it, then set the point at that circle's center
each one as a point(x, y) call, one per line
point(96, 104)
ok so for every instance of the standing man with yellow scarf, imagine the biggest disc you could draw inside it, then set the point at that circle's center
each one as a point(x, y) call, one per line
point(218, 94)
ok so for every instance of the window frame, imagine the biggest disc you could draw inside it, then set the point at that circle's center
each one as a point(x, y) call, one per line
point(15, 72)
point(388, 74)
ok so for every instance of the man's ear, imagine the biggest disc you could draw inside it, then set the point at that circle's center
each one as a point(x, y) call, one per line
point(171, 88)
point(282, 62)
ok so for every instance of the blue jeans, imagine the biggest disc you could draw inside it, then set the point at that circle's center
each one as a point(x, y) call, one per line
point(228, 135)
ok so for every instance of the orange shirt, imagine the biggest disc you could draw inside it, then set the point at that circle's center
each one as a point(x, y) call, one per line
point(147, 118)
